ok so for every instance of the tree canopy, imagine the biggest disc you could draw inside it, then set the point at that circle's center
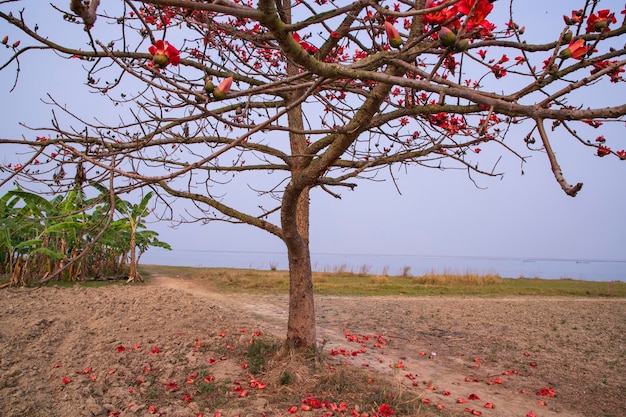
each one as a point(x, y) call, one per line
point(207, 95)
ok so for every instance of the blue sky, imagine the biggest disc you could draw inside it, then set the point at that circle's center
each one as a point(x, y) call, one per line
point(438, 213)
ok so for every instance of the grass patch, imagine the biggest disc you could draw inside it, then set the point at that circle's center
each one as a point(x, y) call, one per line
point(257, 354)
point(294, 380)
point(342, 282)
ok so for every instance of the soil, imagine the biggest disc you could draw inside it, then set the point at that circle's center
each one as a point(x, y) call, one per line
point(175, 347)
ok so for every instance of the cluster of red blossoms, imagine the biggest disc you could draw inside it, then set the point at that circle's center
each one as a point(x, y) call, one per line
point(597, 22)
point(476, 18)
point(311, 403)
point(311, 49)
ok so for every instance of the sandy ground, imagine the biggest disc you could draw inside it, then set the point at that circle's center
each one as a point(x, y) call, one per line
point(137, 350)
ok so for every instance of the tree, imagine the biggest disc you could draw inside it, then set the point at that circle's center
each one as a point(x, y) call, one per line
point(209, 94)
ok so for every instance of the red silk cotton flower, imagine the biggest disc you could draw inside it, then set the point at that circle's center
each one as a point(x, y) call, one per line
point(600, 22)
point(163, 53)
point(576, 49)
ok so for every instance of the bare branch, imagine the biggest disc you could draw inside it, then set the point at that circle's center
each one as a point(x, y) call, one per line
point(570, 190)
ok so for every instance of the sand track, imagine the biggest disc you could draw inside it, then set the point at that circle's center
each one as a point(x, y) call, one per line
point(434, 345)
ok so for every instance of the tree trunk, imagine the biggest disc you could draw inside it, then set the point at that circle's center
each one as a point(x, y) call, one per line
point(301, 322)
point(295, 226)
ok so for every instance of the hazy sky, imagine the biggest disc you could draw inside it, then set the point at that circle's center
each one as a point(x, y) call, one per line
point(438, 213)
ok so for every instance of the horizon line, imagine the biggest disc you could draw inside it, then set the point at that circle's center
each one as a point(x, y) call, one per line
point(517, 258)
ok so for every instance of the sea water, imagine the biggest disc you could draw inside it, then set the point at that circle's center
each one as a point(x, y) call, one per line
point(414, 265)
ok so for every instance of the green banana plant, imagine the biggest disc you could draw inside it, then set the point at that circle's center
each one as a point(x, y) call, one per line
point(40, 237)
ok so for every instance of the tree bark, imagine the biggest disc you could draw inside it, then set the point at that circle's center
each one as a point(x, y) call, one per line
point(301, 322)
point(295, 225)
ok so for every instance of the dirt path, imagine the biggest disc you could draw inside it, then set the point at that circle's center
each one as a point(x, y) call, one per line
point(134, 350)
point(503, 350)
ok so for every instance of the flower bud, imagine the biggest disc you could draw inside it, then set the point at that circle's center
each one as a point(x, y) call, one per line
point(461, 45)
point(5, 40)
point(16, 44)
point(392, 35)
point(568, 36)
point(221, 90)
point(447, 37)
point(209, 86)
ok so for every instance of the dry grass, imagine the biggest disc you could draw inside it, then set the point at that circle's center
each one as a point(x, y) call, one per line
point(343, 282)
point(451, 279)
point(291, 375)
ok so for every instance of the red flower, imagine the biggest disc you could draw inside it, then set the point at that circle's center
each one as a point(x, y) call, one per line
point(163, 54)
point(602, 151)
point(121, 348)
point(481, 11)
point(546, 392)
point(614, 73)
point(438, 17)
point(312, 50)
point(577, 16)
point(600, 22)
point(576, 49)
point(621, 154)
point(473, 397)
point(66, 380)
point(385, 410)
